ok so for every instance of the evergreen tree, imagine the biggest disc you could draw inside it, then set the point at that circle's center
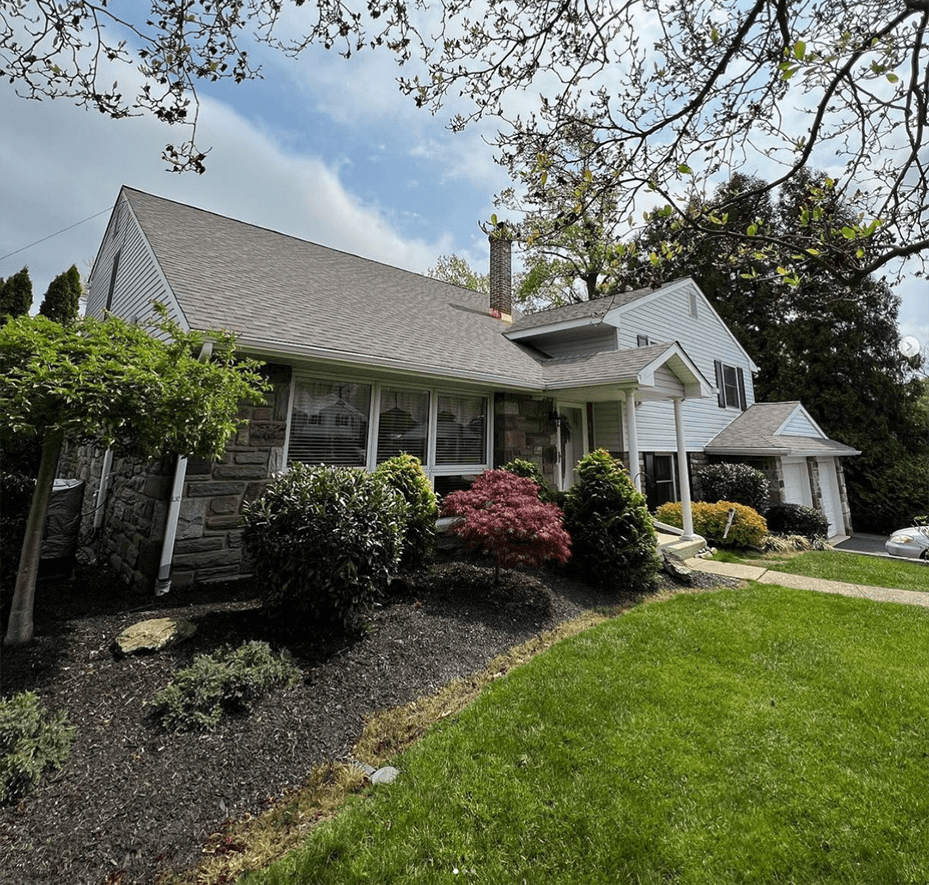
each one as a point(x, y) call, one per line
point(16, 294)
point(62, 300)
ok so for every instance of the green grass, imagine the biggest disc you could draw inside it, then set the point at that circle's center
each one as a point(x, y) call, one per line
point(875, 571)
point(761, 735)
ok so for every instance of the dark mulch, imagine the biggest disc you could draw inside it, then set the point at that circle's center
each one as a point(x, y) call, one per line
point(133, 801)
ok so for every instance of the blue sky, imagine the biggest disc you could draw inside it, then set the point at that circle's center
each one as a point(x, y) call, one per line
point(323, 148)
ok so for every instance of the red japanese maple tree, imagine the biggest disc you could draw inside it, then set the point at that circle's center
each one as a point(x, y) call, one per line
point(503, 515)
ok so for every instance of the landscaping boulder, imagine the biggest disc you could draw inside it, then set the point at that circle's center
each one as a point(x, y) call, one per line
point(674, 566)
point(153, 635)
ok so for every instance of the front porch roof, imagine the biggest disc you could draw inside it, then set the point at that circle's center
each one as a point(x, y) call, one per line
point(779, 429)
point(658, 371)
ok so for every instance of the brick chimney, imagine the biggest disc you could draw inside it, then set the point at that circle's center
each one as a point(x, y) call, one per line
point(501, 278)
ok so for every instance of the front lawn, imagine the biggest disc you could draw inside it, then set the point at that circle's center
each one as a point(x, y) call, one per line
point(874, 571)
point(759, 735)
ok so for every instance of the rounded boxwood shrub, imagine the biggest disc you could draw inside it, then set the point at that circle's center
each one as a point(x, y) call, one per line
point(795, 519)
point(548, 494)
point(324, 543)
point(214, 685)
point(405, 474)
point(31, 742)
point(739, 483)
point(612, 534)
point(748, 527)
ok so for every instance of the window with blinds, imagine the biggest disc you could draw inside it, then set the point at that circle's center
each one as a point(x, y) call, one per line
point(329, 423)
point(461, 430)
point(403, 423)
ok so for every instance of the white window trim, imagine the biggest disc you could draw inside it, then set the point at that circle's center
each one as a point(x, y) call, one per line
point(430, 468)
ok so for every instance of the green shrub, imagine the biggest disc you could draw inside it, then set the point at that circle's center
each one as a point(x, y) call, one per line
point(31, 742)
point(405, 474)
point(795, 519)
point(324, 543)
point(748, 527)
point(224, 683)
point(734, 482)
point(548, 494)
point(612, 535)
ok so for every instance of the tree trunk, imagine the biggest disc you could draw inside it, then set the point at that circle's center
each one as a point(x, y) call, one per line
point(19, 628)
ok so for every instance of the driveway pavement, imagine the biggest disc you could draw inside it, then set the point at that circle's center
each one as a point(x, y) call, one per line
point(863, 544)
point(802, 582)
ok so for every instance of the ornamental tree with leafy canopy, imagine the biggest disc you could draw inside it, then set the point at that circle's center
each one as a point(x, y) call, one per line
point(113, 384)
point(677, 92)
point(504, 517)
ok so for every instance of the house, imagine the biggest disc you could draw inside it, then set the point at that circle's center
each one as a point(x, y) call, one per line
point(367, 360)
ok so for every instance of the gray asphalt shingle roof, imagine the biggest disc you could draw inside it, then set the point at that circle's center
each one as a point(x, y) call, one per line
point(603, 367)
point(755, 431)
point(270, 286)
point(592, 310)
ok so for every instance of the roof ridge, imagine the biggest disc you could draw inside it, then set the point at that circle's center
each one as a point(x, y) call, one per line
point(298, 239)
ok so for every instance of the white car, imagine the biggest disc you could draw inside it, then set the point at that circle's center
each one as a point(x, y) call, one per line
point(912, 543)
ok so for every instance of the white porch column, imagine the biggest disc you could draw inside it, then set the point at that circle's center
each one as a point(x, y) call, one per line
point(633, 465)
point(683, 474)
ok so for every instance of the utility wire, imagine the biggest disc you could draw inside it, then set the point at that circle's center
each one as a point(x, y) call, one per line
point(50, 236)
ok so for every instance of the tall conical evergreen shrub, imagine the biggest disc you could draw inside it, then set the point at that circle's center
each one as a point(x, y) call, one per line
point(16, 294)
point(62, 300)
point(614, 541)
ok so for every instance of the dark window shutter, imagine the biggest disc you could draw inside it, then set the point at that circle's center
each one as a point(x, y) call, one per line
point(742, 405)
point(720, 384)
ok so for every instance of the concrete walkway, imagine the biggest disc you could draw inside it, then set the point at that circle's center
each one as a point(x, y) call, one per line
point(802, 582)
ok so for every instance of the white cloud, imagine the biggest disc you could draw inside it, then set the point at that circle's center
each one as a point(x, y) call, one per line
point(62, 164)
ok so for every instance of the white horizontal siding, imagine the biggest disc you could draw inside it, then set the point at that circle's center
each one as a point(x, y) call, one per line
point(705, 339)
point(608, 427)
point(139, 280)
point(799, 425)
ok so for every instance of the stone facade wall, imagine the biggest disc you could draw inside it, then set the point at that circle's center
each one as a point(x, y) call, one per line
point(523, 428)
point(208, 543)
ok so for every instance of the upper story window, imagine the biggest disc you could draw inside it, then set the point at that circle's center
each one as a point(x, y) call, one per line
point(730, 381)
point(641, 341)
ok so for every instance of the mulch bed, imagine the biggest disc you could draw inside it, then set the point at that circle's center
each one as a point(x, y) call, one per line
point(133, 801)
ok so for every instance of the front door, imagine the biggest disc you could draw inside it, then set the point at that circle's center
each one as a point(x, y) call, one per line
point(660, 480)
point(571, 444)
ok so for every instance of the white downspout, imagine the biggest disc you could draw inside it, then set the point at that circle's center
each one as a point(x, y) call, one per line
point(683, 475)
point(102, 489)
point(163, 581)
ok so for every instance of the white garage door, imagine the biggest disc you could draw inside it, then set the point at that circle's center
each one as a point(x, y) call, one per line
point(832, 502)
point(797, 483)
